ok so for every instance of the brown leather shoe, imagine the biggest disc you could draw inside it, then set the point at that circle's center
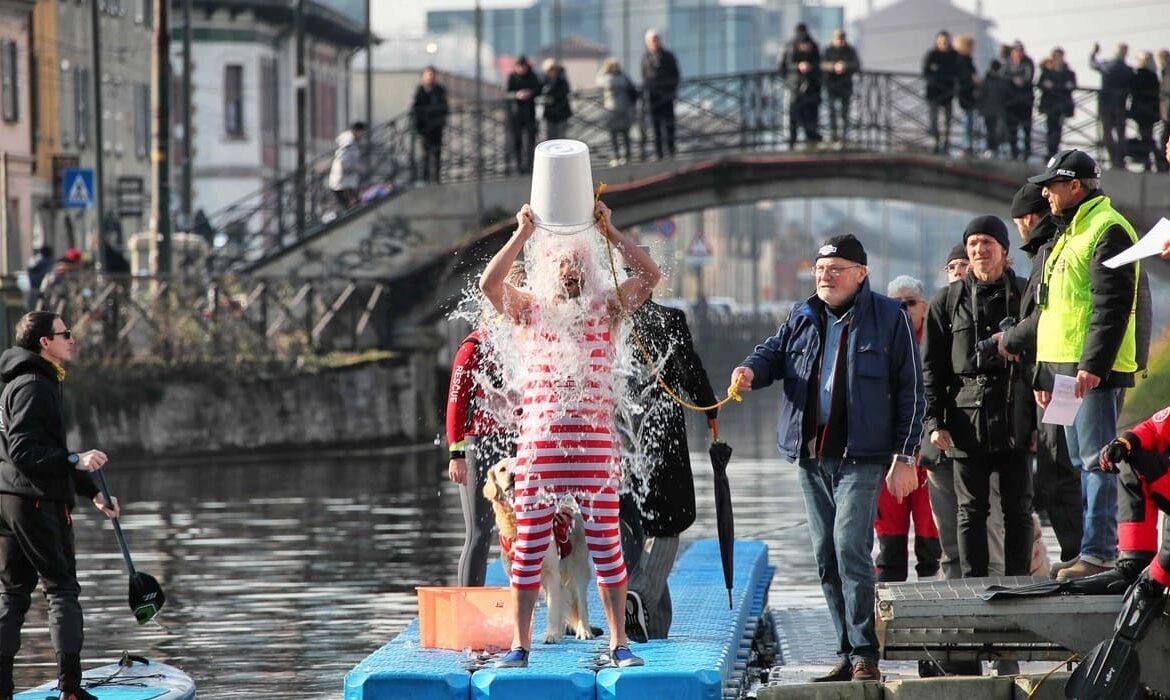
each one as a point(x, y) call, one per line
point(1080, 570)
point(866, 670)
point(841, 672)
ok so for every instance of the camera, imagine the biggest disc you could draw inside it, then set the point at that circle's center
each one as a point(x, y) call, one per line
point(989, 347)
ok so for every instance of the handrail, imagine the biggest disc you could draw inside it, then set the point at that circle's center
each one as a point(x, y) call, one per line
point(739, 111)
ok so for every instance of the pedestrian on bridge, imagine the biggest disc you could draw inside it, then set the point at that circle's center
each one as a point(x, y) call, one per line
point(850, 416)
point(660, 78)
point(940, 68)
point(522, 87)
point(1116, 81)
point(1057, 82)
point(618, 99)
point(554, 95)
point(839, 64)
point(1020, 71)
point(429, 114)
point(966, 82)
point(800, 68)
point(344, 173)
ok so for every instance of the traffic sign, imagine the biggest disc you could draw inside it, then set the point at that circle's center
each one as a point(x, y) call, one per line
point(698, 253)
point(665, 227)
point(79, 190)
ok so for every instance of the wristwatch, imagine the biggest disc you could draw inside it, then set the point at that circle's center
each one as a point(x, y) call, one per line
point(74, 459)
point(904, 459)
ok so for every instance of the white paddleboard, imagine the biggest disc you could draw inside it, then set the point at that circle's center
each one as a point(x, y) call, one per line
point(136, 681)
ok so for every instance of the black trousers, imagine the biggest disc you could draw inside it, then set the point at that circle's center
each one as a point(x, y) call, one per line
point(1055, 123)
point(803, 115)
point(1057, 488)
point(521, 147)
point(662, 116)
point(432, 144)
point(839, 109)
point(36, 541)
point(973, 492)
point(1112, 116)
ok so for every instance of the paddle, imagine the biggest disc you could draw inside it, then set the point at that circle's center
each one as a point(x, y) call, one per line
point(146, 596)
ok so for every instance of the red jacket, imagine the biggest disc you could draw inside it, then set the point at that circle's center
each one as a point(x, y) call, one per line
point(466, 414)
point(1154, 433)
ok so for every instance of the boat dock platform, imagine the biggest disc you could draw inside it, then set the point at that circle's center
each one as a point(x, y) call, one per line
point(706, 656)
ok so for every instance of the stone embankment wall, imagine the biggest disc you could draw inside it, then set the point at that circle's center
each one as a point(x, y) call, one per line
point(217, 410)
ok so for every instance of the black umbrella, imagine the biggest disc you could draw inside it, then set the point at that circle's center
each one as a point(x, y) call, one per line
point(724, 519)
point(146, 596)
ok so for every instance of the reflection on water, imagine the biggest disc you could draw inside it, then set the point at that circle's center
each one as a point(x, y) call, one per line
point(285, 575)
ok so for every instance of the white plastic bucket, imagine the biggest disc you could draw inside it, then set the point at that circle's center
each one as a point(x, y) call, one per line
point(562, 187)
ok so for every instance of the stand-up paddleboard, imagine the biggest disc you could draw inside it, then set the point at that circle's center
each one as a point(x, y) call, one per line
point(133, 678)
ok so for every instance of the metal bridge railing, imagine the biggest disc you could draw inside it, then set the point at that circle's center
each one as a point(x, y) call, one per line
point(746, 112)
point(230, 319)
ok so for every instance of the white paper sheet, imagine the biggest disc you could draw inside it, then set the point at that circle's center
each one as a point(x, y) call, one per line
point(1062, 409)
point(1149, 244)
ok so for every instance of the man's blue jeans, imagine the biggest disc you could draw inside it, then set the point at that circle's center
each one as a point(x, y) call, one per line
point(1094, 427)
point(841, 503)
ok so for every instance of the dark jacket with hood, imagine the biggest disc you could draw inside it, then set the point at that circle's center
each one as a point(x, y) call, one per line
point(34, 461)
point(668, 503)
point(802, 49)
point(1021, 340)
point(883, 401)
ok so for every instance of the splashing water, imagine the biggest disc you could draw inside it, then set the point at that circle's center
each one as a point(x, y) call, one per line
point(570, 279)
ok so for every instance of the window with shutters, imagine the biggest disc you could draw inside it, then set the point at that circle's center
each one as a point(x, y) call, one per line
point(142, 121)
point(233, 100)
point(82, 109)
point(9, 87)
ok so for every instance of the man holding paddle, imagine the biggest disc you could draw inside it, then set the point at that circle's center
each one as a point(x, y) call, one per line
point(38, 479)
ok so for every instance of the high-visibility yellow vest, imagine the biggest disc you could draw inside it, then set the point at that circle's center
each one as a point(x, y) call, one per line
point(1064, 318)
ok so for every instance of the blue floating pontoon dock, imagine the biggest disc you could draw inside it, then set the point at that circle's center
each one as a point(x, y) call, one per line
point(705, 657)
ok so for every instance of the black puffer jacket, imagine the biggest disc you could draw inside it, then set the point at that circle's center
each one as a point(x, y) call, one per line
point(34, 460)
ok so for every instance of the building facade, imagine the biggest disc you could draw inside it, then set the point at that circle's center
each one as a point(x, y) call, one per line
point(243, 103)
point(886, 41)
point(16, 134)
point(63, 101)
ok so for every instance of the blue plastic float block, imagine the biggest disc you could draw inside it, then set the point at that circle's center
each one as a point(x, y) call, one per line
point(563, 670)
point(699, 658)
point(403, 671)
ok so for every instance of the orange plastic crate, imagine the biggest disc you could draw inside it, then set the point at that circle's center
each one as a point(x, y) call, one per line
point(450, 617)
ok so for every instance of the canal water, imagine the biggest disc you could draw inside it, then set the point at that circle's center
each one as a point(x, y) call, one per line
point(282, 575)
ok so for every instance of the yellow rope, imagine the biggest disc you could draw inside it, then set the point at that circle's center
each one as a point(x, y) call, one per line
point(1046, 676)
point(732, 390)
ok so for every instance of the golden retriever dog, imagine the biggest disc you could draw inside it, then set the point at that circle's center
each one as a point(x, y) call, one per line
point(564, 580)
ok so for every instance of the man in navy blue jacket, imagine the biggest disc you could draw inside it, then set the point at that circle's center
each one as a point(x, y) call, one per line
point(851, 409)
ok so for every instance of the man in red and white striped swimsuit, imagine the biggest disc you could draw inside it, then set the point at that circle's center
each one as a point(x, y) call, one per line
point(567, 444)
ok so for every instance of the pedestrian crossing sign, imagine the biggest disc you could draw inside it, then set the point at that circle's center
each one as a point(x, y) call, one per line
point(79, 188)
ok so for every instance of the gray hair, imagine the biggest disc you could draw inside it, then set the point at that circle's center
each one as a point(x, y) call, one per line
point(906, 283)
point(1091, 183)
point(651, 33)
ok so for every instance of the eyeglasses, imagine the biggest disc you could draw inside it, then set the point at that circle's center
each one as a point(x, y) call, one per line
point(832, 270)
point(956, 266)
point(68, 334)
point(911, 303)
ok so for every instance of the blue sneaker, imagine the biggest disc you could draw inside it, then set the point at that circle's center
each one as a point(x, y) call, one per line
point(517, 658)
point(622, 657)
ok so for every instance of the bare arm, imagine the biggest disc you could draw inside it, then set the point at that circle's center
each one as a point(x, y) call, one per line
point(646, 275)
point(507, 299)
